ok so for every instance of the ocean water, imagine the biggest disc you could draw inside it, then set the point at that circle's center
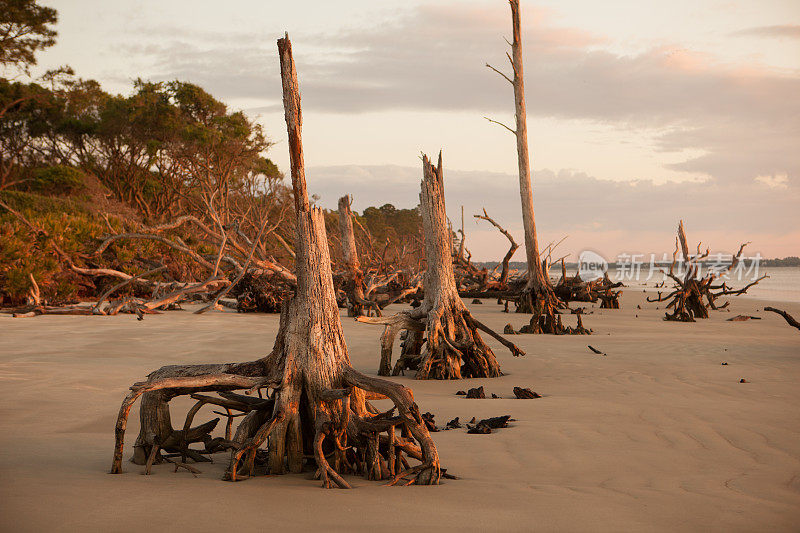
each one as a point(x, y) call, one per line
point(782, 285)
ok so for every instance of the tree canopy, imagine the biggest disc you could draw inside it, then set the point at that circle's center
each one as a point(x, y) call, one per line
point(25, 28)
point(73, 155)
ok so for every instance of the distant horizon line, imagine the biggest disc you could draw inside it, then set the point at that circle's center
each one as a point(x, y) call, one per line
point(790, 261)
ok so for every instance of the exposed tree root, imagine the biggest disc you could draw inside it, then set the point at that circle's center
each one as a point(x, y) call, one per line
point(343, 421)
point(318, 407)
point(687, 297)
point(574, 289)
point(546, 318)
point(453, 347)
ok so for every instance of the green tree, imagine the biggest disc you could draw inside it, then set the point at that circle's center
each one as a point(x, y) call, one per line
point(25, 28)
point(214, 151)
point(25, 112)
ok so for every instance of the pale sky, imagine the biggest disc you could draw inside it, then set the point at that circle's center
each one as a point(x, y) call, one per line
point(640, 112)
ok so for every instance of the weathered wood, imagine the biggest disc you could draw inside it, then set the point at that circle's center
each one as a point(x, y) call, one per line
point(525, 393)
point(536, 276)
point(537, 296)
point(318, 400)
point(513, 246)
point(786, 316)
point(476, 394)
point(394, 325)
point(693, 294)
point(154, 412)
point(453, 347)
point(574, 289)
point(123, 283)
point(354, 283)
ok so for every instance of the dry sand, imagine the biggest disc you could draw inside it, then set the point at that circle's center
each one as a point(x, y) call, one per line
point(657, 436)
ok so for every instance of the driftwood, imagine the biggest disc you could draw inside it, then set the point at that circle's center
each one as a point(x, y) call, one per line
point(502, 283)
point(261, 292)
point(574, 289)
point(318, 413)
point(467, 275)
point(476, 394)
point(473, 282)
point(167, 295)
point(693, 295)
point(558, 327)
point(525, 393)
point(786, 316)
point(453, 347)
point(743, 318)
point(486, 425)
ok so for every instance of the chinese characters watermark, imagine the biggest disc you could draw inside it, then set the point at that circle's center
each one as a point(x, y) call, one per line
point(645, 267)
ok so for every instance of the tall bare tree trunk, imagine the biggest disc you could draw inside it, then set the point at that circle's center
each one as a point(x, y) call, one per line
point(453, 347)
point(354, 283)
point(536, 277)
point(319, 405)
point(537, 297)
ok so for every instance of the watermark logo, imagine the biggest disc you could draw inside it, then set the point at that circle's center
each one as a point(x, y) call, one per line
point(644, 267)
point(591, 266)
point(726, 267)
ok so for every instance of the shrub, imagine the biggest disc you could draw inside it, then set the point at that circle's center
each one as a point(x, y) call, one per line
point(57, 180)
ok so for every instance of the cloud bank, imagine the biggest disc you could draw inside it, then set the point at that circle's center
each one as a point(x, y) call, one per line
point(736, 124)
point(741, 121)
point(603, 215)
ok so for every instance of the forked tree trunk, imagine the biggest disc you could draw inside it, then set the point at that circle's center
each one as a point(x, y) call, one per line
point(503, 281)
point(319, 404)
point(453, 348)
point(354, 282)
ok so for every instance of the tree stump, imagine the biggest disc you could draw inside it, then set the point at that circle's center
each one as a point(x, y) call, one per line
point(319, 404)
point(453, 347)
point(354, 281)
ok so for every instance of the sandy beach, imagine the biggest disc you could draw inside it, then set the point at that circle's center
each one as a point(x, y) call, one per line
point(656, 436)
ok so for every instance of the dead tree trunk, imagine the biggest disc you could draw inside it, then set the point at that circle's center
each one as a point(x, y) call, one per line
point(686, 300)
point(319, 404)
point(537, 297)
point(354, 282)
point(453, 346)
